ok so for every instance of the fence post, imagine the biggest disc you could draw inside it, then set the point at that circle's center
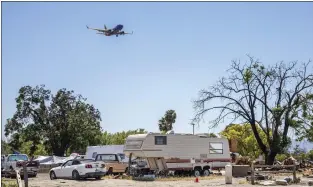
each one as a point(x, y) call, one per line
point(25, 175)
point(252, 173)
point(18, 178)
point(294, 174)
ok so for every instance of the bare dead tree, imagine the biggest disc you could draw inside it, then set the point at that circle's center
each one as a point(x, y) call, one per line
point(252, 89)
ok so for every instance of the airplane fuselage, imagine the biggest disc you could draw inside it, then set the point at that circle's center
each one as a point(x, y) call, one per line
point(117, 30)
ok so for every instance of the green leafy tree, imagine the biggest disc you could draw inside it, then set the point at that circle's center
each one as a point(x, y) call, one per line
point(212, 135)
point(26, 149)
point(246, 142)
point(166, 122)
point(5, 148)
point(119, 137)
point(257, 95)
point(302, 117)
point(61, 122)
point(310, 155)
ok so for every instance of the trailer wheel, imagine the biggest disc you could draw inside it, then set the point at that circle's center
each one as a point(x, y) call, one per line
point(206, 172)
point(197, 172)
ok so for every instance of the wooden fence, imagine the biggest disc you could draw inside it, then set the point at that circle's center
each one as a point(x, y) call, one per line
point(273, 166)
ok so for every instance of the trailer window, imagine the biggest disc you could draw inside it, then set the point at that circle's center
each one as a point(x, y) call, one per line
point(216, 148)
point(160, 140)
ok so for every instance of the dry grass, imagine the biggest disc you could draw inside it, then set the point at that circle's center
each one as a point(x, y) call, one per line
point(8, 182)
point(243, 182)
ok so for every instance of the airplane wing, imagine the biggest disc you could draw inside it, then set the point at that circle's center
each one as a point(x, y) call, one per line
point(100, 30)
point(122, 33)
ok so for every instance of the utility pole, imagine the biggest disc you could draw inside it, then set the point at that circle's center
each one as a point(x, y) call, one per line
point(193, 128)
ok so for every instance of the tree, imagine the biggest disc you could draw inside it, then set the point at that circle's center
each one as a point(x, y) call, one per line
point(5, 148)
point(26, 149)
point(166, 122)
point(246, 142)
point(304, 118)
point(310, 155)
point(119, 137)
point(61, 122)
point(299, 153)
point(212, 135)
point(260, 96)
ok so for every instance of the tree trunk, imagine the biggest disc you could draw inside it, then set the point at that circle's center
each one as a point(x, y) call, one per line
point(270, 158)
point(59, 152)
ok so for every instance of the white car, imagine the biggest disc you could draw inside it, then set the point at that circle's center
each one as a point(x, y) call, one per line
point(78, 168)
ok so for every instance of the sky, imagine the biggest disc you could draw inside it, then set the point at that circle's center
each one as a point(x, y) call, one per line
point(176, 50)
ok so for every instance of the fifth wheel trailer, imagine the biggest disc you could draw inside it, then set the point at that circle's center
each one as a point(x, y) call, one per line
point(179, 152)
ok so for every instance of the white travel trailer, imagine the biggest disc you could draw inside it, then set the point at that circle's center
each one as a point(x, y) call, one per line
point(179, 152)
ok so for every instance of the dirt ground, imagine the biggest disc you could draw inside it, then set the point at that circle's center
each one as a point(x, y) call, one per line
point(43, 180)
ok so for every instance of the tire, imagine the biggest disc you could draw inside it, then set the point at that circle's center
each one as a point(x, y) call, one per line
point(110, 171)
point(206, 172)
point(197, 172)
point(98, 178)
point(75, 175)
point(52, 175)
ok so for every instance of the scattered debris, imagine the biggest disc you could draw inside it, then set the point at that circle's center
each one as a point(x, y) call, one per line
point(116, 177)
point(269, 183)
point(258, 177)
point(281, 182)
point(288, 179)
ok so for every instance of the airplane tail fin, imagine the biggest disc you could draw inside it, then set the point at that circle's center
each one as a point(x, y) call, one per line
point(105, 27)
point(87, 26)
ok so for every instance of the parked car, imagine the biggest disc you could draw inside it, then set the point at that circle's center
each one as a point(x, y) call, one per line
point(77, 169)
point(15, 162)
point(113, 163)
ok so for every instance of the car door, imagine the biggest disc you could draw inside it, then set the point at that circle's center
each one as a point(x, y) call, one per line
point(63, 172)
point(68, 168)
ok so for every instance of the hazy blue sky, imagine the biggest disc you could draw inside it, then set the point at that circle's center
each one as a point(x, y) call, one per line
point(176, 50)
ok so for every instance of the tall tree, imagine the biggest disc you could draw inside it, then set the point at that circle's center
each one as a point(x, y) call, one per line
point(119, 137)
point(5, 148)
point(246, 142)
point(166, 122)
point(62, 121)
point(260, 96)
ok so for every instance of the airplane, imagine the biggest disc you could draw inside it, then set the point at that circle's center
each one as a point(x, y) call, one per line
point(117, 30)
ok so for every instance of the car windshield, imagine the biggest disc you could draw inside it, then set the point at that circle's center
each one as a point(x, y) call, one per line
point(17, 157)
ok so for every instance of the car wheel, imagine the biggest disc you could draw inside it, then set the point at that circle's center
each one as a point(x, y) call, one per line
point(98, 178)
point(75, 175)
point(110, 171)
point(52, 175)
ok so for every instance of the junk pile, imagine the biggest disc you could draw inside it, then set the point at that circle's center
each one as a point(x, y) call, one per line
point(48, 162)
point(243, 160)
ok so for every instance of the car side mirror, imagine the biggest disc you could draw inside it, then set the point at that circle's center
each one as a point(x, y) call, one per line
point(60, 164)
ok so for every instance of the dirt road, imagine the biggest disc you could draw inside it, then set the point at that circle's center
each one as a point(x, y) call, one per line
point(44, 180)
